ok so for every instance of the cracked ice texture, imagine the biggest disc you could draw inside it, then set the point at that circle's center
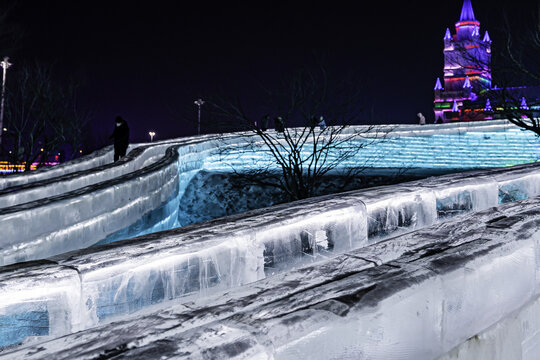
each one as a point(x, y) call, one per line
point(416, 296)
point(197, 261)
point(166, 266)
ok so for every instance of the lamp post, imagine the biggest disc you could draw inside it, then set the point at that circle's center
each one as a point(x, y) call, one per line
point(199, 103)
point(5, 65)
point(152, 134)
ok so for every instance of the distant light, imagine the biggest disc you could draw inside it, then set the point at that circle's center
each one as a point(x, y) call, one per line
point(152, 134)
point(5, 129)
point(41, 149)
point(80, 151)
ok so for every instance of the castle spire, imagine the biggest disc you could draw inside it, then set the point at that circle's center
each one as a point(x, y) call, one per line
point(438, 85)
point(488, 106)
point(486, 37)
point(467, 83)
point(523, 104)
point(447, 35)
point(467, 13)
point(455, 107)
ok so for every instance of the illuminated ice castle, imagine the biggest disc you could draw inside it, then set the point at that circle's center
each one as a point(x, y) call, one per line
point(467, 94)
point(467, 70)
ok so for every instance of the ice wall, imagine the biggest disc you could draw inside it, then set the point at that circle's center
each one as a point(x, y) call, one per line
point(83, 191)
point(225, 253)
point(122, 278)
point(125, 277)
point(416, 296)
point(136, 195)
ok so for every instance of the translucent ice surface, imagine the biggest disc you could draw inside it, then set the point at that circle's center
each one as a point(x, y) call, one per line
point(423, 295)
point(196, 261)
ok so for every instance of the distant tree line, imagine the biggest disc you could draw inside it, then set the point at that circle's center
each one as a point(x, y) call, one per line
point(42, 118)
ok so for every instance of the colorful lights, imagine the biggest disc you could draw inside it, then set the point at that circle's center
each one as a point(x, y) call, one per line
point(467, 23)
point(7, 167)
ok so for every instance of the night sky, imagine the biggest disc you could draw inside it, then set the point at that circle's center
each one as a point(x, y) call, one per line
point(144, 59)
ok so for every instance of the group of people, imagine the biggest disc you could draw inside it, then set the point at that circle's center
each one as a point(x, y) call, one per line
point(279, 123)
point(422, 119)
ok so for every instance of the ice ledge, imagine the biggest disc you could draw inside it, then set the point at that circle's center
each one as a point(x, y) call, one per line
point(442, 286)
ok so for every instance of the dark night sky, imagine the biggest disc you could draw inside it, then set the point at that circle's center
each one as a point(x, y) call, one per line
point(140, 58)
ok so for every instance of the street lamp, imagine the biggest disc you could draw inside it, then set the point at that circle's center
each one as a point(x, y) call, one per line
point(199, 103)
point(152, 134)
point(5, 64)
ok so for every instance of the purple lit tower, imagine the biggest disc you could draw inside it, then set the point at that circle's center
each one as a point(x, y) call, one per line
point(467, 71)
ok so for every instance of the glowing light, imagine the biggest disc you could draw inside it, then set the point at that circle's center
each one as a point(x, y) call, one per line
point(467, 23)
point(199, 102)
point(5, 64)
point(151, 133)
point(455, 107)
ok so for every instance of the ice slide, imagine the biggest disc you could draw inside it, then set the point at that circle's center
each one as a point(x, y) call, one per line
point(375, 213)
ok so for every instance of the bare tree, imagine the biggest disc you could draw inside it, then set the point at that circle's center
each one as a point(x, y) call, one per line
point(41, 117)
point(522, 56)
point(312, 135)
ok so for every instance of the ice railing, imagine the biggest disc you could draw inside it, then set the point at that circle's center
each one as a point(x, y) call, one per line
point(415, 296)
point(100, 283)
point(74, 175)
point(133, 203)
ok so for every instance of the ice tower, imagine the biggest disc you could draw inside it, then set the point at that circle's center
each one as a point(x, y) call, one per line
point(467, 70)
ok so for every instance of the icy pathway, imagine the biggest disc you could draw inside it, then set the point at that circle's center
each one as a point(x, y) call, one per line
point(416, 296)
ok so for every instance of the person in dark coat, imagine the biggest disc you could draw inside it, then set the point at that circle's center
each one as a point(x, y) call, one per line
point(121, 138)
point(279, 124)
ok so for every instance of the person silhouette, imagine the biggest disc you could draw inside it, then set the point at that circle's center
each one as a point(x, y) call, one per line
point(121, 138)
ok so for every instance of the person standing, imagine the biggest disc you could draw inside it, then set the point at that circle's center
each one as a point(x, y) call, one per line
point(322, 123)
point(421, 119)
point(121, 138)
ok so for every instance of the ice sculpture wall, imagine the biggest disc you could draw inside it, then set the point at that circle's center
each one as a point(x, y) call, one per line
point(416, 296)
point(86, 287)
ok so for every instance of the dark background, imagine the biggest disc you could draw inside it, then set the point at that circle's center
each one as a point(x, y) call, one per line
point(143, 59)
